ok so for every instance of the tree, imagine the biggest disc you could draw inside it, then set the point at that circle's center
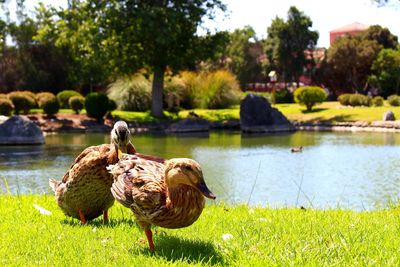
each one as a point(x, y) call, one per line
point(386, 72)
point(382, 35)
point(128, 35)
point(241, 55)
point(286, 43)
point(350, 59)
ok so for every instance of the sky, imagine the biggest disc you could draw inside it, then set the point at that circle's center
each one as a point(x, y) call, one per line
point(325, 15)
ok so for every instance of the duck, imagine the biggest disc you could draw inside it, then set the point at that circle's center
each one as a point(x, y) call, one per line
point(296, 149)
point(84, 190)
point(169, 194)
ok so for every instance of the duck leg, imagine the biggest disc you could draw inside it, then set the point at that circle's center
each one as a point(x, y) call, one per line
point(82, 216)
point(149, 236)
point(105, 216)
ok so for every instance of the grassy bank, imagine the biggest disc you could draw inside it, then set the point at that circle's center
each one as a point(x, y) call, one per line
point(253, 237)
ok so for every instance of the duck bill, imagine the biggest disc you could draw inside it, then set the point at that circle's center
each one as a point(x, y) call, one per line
point(205, 191)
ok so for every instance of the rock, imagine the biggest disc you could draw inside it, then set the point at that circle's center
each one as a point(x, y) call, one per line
point(388, 116)
point(3, 118)
point(18, 130)
point(257, 115)
point(189, 125)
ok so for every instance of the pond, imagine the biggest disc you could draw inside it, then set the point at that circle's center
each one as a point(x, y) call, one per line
point(348, 170)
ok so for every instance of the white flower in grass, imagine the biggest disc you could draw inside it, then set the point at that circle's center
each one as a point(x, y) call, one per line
point(262, 219)
point(227, 237)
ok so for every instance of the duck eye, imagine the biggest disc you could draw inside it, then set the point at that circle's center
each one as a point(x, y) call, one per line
point(187, 168)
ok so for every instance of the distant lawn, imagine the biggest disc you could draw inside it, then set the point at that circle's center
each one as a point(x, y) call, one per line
point(334, 112)
point(222, 236)
point(326, 112)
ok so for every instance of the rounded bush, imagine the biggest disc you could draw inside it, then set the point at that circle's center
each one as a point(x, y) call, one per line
point(76, 103)
point(394, 100)
point(22, 102)
point(96, 105)
point(49, 105)
point(359, 100)
point(42, 95)
point(283, 96)
point(378, 101)
point(112, 105)
point(344, 99)
point(309, 96)
point(64, 96)
point(6, 107)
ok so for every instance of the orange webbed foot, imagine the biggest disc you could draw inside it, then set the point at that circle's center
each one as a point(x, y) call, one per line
point(149, 236)
point(82, 217)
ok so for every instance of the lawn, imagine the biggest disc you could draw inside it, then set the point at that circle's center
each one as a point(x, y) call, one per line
point(334, 112)
point(224, 235)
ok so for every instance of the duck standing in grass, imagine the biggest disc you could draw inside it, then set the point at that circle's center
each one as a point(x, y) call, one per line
point(84, 191)
point(169, 194)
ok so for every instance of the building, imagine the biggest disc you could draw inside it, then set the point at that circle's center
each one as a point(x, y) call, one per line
point(351, 29)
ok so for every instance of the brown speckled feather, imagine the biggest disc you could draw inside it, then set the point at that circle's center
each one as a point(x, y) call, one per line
point(86, 184)
point(140, 185)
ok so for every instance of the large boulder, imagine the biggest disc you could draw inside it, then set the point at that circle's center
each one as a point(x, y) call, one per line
point(18, 130)
point(257, 115)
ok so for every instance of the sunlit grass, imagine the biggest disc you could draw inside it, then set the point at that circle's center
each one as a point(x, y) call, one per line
point(334, 112)
point(223, 235)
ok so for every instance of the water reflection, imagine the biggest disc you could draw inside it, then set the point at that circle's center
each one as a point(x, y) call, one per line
point(350, 170)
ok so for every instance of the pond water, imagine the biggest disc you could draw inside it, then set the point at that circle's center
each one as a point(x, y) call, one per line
point(348, 170)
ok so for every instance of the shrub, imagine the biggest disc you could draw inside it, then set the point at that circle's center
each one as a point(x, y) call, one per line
point(6, 107)
point(360, 100)
point(174, 92)
point(43, 96)
point(49, 105)
point(187, 89)
point(112, 105)
point(22, 101)
point(377, 101)
point(131, 93)
point(344, 99)
point(76, 103)
point(309, 96)
point(64, 96)
point(284, 96)
point(96, 105)
point(218, 89)
point(394, 100)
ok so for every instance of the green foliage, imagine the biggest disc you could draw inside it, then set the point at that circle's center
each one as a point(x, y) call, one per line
point(350, 59)
point(386, 72)
point(309, 96)
point(381, 35)
point(42, 96)
point(217, 90)
point(6, 107)
point(286, 43)
point(96, 105)
point(22, 101)
point(344, 99)
point(360, 100)
point(49, 105)
point(284, 96)
point(76, 103)
point(112, 105)
point(394, 100)
point(131, 93)
point(64, 96)
point(378, 101)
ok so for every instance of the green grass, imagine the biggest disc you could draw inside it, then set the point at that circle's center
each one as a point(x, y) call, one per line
point(260, 237)
point(334, 112)
point(330, 112)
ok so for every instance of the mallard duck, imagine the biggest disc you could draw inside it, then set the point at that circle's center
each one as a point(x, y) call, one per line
point(84, 191)
point(169, 195)
point(296, 149)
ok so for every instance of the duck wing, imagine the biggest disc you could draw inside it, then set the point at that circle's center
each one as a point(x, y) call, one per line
point(139, 185)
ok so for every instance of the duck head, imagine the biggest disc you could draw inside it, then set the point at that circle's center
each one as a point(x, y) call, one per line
point(120, 137)
point(186, 171)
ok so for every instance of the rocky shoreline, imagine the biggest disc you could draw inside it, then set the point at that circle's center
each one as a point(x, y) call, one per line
point(71, 123)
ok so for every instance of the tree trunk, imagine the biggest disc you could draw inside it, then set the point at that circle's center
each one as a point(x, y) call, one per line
point(157, 92)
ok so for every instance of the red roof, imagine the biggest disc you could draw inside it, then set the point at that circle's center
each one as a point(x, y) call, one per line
point(351, 28)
